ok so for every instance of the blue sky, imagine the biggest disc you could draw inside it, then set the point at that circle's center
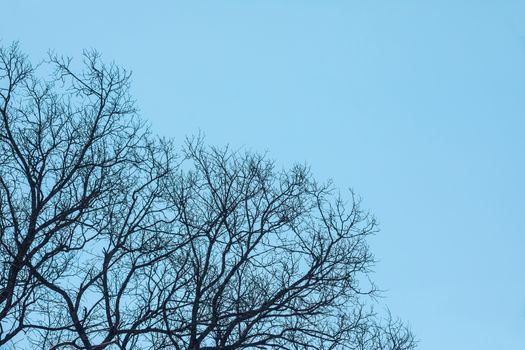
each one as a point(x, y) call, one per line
point(417, 105)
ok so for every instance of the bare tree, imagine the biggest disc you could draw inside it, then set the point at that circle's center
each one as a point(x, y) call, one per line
point(108, 240)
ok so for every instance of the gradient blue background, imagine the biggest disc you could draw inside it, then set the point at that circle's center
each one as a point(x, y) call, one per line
point(417, 105)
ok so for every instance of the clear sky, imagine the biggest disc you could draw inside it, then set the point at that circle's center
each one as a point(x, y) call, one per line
point(417, 105)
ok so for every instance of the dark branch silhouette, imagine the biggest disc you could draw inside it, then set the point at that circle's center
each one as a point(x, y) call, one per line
point(109, 240)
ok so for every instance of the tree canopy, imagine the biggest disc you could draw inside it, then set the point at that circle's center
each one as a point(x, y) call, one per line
point(111, 238)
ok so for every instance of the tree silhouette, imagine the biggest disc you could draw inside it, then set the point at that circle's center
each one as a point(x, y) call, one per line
point(109, 239)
